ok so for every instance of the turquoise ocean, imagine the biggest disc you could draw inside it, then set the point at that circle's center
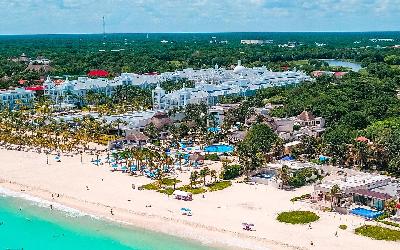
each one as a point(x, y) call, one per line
point(30, 224)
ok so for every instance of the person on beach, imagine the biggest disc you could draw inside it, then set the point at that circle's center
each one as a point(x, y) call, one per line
point(51, 206)
point(111, 212)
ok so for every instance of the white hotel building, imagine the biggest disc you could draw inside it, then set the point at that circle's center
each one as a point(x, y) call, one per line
point(14, 98)
point(211, 84)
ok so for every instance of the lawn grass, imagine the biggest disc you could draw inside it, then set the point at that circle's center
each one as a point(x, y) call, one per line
point(150, 186)
point(170, 181)
point(194, 190)
point(219, 185)
point(167, 183)
point(167, 191)
point(297, 217)
point(378, 233)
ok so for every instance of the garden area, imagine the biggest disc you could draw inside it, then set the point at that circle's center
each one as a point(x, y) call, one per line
point(168, 186)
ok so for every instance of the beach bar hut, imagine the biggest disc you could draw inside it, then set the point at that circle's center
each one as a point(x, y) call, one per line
point(182, 195)
point(197, 158)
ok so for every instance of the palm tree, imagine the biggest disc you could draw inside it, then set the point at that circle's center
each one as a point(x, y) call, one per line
point(203, 173)
point(390, 206)
point(283, 174)
point(335, 192)
point(193, 178)
point(213, 174)
point(159, 176)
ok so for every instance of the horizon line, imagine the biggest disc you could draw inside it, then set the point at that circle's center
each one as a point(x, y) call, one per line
point(216, 32)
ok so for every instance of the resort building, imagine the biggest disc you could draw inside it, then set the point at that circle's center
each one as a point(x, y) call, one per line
point(211, 84)
point(361, 189)
point(219, 111)
point(15, 98)
point(256, 41)
point(73, 91)
point(127, 123)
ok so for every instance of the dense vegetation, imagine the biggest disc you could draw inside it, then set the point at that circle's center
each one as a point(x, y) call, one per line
point(77, 54)
point(359, 104)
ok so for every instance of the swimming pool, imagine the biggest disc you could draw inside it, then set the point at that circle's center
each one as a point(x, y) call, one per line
point(367, 213)
point(267, 175)
point(219, 149)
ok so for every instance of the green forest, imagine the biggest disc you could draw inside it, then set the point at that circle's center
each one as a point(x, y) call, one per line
point(364, 103)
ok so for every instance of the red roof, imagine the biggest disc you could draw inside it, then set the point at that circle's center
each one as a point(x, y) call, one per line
point(362, 139)
point(285, 67)
point(35, 88)
point(340, 74)
point(22, 81)
point(398, 205)
point(98, 73)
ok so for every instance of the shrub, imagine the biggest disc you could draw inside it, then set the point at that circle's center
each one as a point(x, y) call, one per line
point(297, 217)
point(219, 185)
point(231, 172)
point(150, 186)
point(389, 223)
point(343, 227)
point(168, 191)
point(299, 198)
point(211, 157)
point(169, 181)
point(188, 188)
point(385, 215)
point(378, 233)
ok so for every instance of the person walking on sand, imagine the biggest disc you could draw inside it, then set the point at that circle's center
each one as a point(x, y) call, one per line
point(111, 212)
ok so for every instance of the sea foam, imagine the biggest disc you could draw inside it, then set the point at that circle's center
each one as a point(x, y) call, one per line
point(72, 212)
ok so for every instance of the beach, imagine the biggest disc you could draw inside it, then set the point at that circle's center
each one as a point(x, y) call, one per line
point(216, 219)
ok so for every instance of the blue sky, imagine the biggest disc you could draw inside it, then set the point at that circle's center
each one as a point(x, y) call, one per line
point(84, 16)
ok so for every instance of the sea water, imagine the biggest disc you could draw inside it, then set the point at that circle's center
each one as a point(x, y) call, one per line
point(31, 225)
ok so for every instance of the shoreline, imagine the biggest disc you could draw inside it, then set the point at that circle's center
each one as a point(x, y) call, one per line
point(139, 220)
point(217, 216)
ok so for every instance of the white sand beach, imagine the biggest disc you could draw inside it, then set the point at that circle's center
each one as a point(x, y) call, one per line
point(216, 219)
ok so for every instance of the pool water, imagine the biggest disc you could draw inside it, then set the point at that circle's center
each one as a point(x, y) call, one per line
point(268, 175)
point(219, 149)
point(366, 213)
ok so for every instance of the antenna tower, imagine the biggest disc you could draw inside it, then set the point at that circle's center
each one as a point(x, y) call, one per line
point(104, 28)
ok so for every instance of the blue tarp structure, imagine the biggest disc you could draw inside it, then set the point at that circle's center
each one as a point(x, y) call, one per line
point(324, 158)
point(214, 129)
point(288, 158)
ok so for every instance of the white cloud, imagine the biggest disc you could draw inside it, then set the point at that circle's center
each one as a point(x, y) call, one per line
point(59, 16)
